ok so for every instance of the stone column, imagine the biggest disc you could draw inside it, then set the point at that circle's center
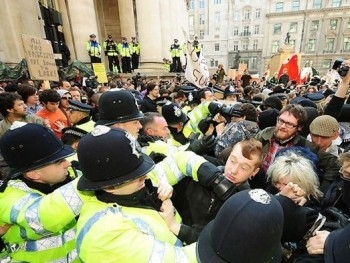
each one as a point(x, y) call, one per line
point(66, 28)
point(150, 33)
point(127, 21)
point(84, 22)
point(166, 28)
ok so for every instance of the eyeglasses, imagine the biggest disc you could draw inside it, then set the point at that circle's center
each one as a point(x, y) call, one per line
point(344, 174)
point(287, 124)
point(66, 98)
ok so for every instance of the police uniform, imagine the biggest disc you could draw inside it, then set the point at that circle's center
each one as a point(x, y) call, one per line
point(125, 53)
point(86, 123)
point(111, 50)
point(175, 51)
point(94, 49)
point(135, 53)
point(42, 221)
point(109, 223)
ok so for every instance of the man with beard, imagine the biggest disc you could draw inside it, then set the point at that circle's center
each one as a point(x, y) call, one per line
point(286, 134)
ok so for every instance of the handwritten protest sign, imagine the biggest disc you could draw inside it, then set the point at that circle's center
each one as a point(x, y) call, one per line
point(40, 58)
point(100, 72)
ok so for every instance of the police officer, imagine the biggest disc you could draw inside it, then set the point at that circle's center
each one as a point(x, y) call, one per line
point(175, 50)
point(79, 115)
point(94, 49)
point(125, 53)
point(124, 201)
point(135, 53)
point(40, 221)
point(111, 50)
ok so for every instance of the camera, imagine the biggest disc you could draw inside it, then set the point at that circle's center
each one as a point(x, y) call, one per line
point(91, 82)
point(340, 68)
point(343, 70)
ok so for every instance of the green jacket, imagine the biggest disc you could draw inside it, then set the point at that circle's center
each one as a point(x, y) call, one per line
point(328, 163)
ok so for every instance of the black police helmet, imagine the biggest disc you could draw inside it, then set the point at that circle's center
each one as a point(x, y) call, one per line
point(118, 106)
point(27, 146)
point(110, 157)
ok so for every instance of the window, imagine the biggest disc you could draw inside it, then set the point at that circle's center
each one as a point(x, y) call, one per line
point(348, 24)
point(317, 4)
point(346, 44)
point(201, 34)
point(329, 44)
point(277, 29)
point(246, 14)
point(212, 62)
point(236, 16)
point(217, 47)
point(217, 17)
point(336, 3)
point(191, 33)
point(311, 45)
point(235, 46)
point(191, 20)
point(275, 46)
point(253, 62)
point(217, 2)
point(333, 23)
point(191, 4)
point(201, 19)
point(255, 44)
point(293, 27)
point(216, 63)
point(201, 3)
point(235, 31)
point(279, 7)
point(246, 31)
point(327, 63)
point(295, 5)
point(257, 13)
point(314, 25)
point(245, 45)
point(256, 29)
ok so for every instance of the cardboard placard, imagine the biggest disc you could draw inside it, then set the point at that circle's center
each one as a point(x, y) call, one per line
point(40, 58)
point(100, 72)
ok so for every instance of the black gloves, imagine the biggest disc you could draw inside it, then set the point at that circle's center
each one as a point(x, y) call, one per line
point(212, 178)
point(157, 157)
point(203, 145)
point(214, 107)
point(204, 124)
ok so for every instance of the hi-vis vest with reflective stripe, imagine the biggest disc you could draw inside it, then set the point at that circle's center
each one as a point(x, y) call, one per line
point(43, 226)
point(127, 234)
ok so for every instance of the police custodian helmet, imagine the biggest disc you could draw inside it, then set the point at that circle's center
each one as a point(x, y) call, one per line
point(27, 146)
point(109, 157)
point(118, 106)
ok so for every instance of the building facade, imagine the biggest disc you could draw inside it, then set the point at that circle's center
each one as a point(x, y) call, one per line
point(318, 30)
point(154, 23)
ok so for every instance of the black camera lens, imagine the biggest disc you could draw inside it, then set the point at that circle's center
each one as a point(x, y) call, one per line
point(343, 70)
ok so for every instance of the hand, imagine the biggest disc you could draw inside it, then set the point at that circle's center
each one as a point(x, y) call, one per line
point(60, 125)
point(315, 245)
point(4, 228)
point(220, 128)
point(168, 214)
point(294, 192)
point(165, 191)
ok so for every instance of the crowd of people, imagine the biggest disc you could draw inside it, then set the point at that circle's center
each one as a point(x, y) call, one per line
point(151, 170)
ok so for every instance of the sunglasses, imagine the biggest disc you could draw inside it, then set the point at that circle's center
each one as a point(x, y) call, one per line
point(66, 98)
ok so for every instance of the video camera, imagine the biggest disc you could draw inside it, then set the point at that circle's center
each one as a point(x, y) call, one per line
point(91, 82)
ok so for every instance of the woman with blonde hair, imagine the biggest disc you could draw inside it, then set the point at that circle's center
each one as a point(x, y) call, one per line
point(294, 165)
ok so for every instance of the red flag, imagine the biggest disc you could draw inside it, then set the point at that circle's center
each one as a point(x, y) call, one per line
point(292, 68)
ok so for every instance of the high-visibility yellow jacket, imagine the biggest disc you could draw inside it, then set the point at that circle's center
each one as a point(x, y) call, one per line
point(108, 232)
point(43, 227)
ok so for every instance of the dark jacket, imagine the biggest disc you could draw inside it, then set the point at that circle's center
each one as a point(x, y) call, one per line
point(148, 105)
point(197, 206)
point(328, 163)
point(338, 109)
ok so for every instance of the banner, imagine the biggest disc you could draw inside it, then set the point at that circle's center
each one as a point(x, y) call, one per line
point(197, 71)
point(291, 64)
point(40, 58)
point(100, 72)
